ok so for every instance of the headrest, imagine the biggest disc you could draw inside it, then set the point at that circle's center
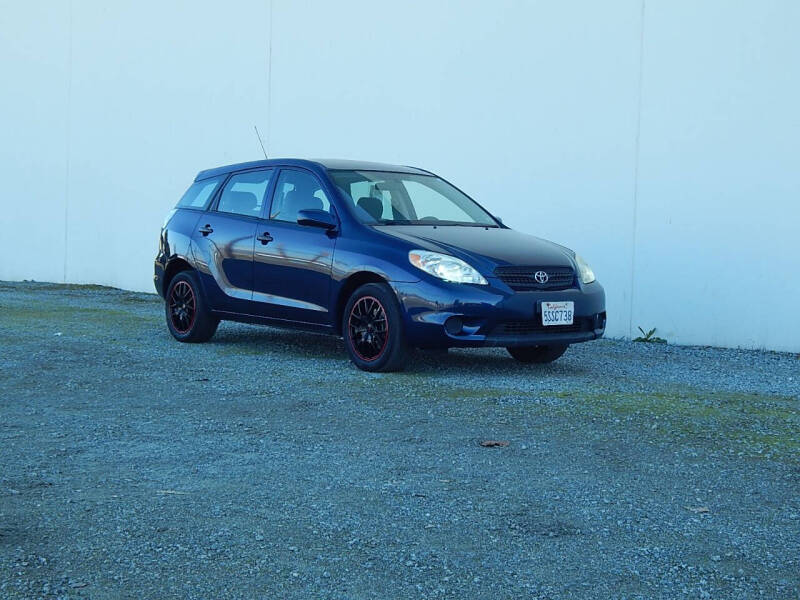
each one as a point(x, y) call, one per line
point(295, 201)
point(373, 206)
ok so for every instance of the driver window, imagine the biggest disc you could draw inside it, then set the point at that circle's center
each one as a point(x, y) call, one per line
point(296, 191)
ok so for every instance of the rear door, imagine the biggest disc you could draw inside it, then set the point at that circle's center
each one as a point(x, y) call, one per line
point(292, 262)
point(224, 239)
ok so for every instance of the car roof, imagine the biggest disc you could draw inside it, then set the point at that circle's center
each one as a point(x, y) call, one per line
point(325, 163)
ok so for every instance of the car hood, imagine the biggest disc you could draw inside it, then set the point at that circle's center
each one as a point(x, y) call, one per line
point(484, 248)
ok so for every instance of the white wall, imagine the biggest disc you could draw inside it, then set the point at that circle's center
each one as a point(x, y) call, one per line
point(719, 174)
point(660, 141)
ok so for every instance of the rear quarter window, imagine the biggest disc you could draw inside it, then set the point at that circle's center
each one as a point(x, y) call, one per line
point(199, 193)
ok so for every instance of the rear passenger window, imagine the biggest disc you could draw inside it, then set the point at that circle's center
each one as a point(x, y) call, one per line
point(244, 193)
point(199, 193)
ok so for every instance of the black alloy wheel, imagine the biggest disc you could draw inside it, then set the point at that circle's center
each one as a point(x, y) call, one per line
point(372, 329)
point(368, 328)
point(188, 317)
point(182, 307)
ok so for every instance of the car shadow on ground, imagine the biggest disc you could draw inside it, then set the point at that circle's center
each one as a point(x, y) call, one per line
point(255, 340)
point(491, 361)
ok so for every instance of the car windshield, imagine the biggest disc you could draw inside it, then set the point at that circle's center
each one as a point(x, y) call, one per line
point(389, 198)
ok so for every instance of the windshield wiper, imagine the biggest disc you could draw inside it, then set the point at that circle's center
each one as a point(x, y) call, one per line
point(434, 223)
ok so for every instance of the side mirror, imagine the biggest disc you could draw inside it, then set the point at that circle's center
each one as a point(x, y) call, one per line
point(314, 217)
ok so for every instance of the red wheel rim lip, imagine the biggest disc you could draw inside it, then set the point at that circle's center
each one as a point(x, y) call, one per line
point(173, 300)
point(350, 335)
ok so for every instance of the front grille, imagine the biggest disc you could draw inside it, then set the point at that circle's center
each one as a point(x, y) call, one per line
point(535, 326)
point(524, 278)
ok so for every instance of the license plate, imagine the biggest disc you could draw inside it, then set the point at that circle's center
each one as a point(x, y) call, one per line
point(558, 313)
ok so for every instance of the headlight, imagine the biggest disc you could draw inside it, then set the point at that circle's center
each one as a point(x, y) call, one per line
point(445, 267)
point(584, 270)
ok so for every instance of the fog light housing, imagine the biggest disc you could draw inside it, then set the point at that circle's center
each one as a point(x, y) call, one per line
point(600, 320)
point(454, 325)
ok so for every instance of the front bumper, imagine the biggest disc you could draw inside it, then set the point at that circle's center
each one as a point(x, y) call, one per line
point(495, 315)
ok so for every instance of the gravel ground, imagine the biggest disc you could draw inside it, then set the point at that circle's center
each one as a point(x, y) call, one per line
point(264, 465)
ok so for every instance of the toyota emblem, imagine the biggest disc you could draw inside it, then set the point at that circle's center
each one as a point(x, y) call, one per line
point(541, 277)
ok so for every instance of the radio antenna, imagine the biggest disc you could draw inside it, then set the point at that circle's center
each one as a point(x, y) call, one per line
point(258, 135)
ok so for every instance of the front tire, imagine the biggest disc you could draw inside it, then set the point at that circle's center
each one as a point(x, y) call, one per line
point(372, 328)
point(537, 354)
point(188, 317)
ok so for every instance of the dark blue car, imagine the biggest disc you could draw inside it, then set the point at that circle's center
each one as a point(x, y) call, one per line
point(389, 257)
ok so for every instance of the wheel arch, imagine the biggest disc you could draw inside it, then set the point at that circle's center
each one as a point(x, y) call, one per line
point(175, 266)
point(346, 289)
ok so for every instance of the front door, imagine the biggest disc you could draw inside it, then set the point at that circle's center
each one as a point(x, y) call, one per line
point(292, 262)
point(224, 242)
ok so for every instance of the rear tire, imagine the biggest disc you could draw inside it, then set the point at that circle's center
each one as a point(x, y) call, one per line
point(537, 354)
point(372, 328)
point(188, 317)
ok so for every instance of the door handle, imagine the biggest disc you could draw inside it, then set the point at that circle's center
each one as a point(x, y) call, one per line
point(206, 229)
point(265, 238)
